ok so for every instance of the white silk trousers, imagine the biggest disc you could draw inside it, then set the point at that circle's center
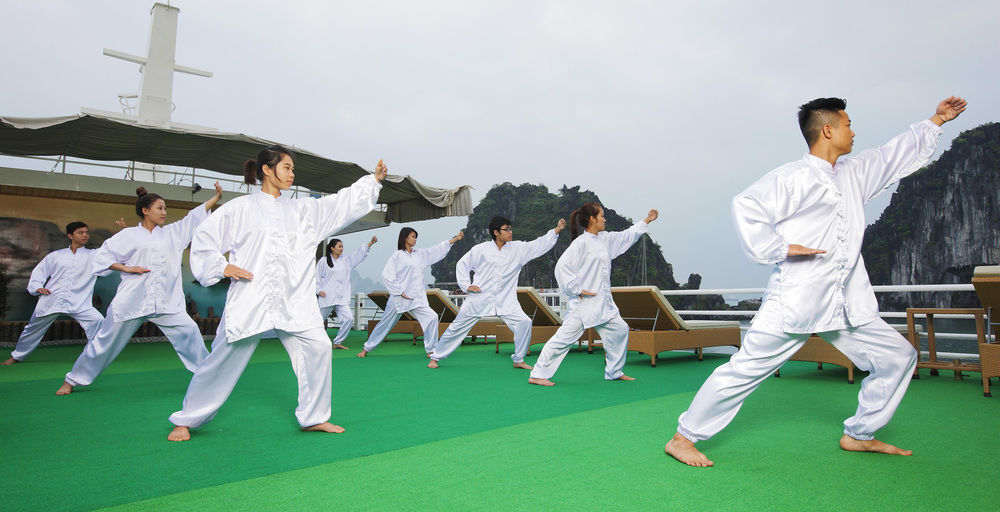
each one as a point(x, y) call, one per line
point(31, 336)
point(425, 316)
point(311, 356)
point(112, 337)
point(874, 347)
point(345, 320)
point(456, 332)
point(614, 336)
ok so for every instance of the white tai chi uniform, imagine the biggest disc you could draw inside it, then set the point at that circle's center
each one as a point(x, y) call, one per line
point(404, 273)
point(66, 274)
point(274, 239)
point(497, 270)
point(586, 265)
point(810, 203)
point(336, 283)
point(157, 295)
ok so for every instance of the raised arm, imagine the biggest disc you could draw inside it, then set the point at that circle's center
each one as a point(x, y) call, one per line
point(435, 254)
point(183, 230)
point(877, 169)
point(620, 241)
point(542, 244)
point(359, 255)
point(335, 211)
point(215, 199)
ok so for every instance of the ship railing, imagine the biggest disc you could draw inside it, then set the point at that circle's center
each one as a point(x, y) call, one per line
point(365, 310)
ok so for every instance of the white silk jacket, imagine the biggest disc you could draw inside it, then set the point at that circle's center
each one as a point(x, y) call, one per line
point(275, 240)
point(404, 273)
point(811, 203)
point(158, 291)
point(497, 271)
point(67, 275)
point(586, 265)
point(336, 281)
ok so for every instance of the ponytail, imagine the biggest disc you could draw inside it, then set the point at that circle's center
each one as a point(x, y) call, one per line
point(253, 170)
point(581, 218)
point(329, 246)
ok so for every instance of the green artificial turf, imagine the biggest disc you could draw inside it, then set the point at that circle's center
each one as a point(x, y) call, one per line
point(473, 435)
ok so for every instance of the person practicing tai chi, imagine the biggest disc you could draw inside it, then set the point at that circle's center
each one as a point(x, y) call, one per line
point(584, 275)
point(271, 242)
point(333, 285)
point(64, 285)
point(149, 259)
point(403, 276)
point(496, 264)
point(806, 218)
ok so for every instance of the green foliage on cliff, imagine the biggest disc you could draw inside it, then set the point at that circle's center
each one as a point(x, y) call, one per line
point(534, 210)
point(942, 221)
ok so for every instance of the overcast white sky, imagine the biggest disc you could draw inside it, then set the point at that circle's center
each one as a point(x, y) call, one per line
point(672, 105)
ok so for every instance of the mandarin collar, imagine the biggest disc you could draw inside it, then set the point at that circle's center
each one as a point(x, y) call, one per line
point(818, 162)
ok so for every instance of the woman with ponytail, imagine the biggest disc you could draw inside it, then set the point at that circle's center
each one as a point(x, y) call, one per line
point(271, 242)
point(149, 259)
point(584, 275)
point(333, 285)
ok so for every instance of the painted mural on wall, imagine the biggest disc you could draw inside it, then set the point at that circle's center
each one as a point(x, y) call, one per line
point(24, 242)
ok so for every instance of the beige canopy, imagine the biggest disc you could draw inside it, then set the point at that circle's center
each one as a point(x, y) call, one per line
point(100, 138)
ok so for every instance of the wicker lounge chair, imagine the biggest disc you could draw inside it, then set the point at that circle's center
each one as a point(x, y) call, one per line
point(986, 280)
point(544, 320)
point(656, 327)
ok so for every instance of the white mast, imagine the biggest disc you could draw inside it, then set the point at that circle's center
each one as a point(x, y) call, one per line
point(155, 97)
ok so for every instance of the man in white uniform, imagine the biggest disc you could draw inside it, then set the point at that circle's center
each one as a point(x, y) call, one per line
point(497, 265)
point(807, 219)
point(64, 286)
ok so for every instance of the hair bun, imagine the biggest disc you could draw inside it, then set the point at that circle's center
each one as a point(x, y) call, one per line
point(141, 191)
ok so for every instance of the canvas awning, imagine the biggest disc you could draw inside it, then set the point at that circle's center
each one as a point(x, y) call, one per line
point(99, 138)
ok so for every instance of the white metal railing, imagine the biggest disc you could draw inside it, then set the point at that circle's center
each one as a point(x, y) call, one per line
point(366, 310)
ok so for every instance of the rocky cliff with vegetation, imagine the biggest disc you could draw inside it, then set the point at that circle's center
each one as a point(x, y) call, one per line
point(942, 222)
point(534, 210)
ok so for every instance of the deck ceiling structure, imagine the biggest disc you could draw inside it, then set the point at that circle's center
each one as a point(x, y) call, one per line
point(99, 138)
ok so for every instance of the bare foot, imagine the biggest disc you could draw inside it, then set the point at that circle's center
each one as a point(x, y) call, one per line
point(875, 446)
point(524, 366)
point(683, 450)
point(326, 426)
point(362, 353)
point(65, 389)
point(432, 364)
point(625, 377)
point(179, 433)
point(338, 346)
point(541, 382)
point(9, 362)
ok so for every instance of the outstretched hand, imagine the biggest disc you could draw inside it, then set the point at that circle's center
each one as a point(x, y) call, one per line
point(561, 225)
point(457, 237)
point(948, 109)
point(372, 241)
point(236, 273)
point(653, 215)
point(121, 222)
point(585, 293)
point(218, 190)
point(380, 171)
point(801, 250)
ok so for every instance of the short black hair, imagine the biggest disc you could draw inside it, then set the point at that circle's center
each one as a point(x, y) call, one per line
point(73, 226)
point(496, 223)
point(403, 235)
point(816, 113)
